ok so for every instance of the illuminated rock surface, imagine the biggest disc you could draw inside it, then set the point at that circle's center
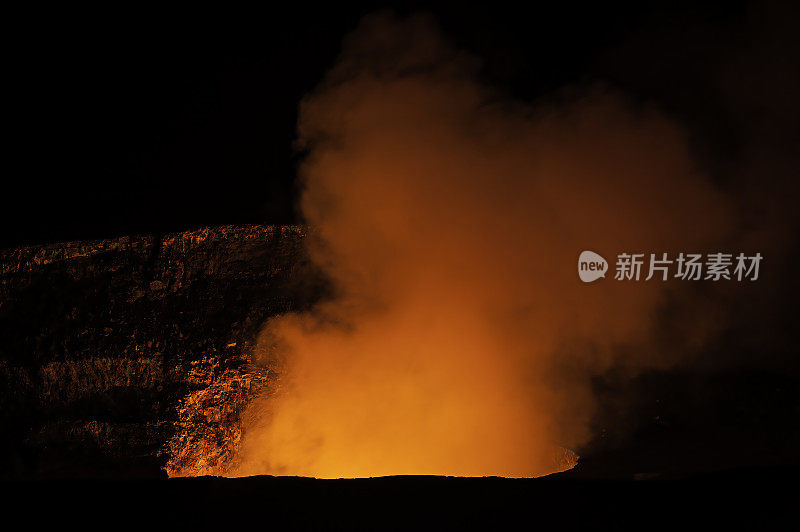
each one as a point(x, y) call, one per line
point(129, 355)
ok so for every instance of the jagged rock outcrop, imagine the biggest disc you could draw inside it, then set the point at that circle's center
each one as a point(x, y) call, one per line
point(113, 351)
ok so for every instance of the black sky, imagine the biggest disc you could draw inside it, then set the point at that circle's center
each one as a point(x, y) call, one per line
point(125, 122)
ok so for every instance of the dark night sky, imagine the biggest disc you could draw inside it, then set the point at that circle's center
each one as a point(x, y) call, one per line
point(131, 122)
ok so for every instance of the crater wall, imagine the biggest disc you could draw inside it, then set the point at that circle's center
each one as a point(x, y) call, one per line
point(129, 356)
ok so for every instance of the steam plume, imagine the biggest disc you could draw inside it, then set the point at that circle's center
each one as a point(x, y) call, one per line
point(459, 340)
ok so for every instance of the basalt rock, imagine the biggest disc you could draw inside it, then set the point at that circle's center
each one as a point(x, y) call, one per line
point(132, 355)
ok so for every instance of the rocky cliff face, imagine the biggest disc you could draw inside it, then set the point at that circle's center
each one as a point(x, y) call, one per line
point(131, 355)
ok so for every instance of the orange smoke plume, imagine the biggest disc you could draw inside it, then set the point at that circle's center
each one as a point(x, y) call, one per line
point(459, 340)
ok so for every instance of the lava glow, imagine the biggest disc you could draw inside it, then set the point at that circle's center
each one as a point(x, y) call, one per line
point(381, 401)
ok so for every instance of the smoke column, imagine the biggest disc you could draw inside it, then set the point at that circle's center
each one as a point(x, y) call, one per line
point(449, 219)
